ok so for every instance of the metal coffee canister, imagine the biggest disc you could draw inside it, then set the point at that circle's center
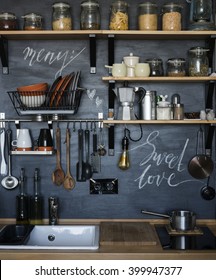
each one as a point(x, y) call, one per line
point(148, 106)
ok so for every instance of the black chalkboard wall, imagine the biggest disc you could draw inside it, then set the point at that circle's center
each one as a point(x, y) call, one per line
point(158, 179)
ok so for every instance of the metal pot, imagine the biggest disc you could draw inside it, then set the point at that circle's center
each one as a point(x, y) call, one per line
point(180, 220)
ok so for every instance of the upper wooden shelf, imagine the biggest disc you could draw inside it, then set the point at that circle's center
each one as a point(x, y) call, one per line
point(185, 121)
point(121, 34)
point(162, 79)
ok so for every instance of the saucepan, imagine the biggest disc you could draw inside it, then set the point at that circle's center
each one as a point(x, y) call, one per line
point(180, 220)
point(201, 165)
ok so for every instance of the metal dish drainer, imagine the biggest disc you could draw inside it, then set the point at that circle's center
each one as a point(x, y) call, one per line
point(55, 103)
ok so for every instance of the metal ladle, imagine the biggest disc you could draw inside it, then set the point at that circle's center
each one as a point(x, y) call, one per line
point(9, 182)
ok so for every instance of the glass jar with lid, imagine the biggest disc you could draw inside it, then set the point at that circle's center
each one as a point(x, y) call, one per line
point(8, 21)
point(176, 67)
point(119, 16)
point(198, 61)
point(61, 16)
point(90, 15)
point(148, 17)
point(171, 17)
point(156, 66)
point(32, 21)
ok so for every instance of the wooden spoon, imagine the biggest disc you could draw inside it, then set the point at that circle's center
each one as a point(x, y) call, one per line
point(58, 175)
point(69, 182)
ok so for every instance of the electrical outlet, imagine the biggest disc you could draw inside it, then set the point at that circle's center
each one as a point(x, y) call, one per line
point(104, 186)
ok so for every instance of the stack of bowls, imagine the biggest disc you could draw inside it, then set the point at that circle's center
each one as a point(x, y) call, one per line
point(33, 95)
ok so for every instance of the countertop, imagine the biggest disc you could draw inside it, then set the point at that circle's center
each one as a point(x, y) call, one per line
point(111, 252)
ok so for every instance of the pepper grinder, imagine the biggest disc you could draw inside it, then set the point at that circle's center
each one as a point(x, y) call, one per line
point(177, 107)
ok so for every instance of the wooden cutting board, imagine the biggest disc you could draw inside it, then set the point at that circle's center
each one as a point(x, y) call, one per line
point(127, 234)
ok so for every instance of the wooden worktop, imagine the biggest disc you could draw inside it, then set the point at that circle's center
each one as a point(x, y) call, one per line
point(111, 251)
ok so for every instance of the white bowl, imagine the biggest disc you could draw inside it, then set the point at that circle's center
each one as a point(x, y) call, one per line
point(33, 101)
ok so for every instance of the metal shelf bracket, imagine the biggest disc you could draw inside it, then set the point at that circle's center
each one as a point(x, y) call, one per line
point(4, 55)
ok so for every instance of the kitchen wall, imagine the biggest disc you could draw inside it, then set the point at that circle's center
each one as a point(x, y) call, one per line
point(158, 178)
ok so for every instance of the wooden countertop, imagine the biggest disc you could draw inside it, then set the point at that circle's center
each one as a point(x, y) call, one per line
point(114, 252)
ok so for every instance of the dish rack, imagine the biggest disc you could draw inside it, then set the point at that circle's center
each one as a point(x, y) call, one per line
point(46, 103)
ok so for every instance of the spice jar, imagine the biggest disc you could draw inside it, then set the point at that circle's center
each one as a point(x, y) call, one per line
point(90, 15)
point(61, 17)
point(119, 16)
point(176, 67)
point(198, 62)
point(148, 18)
point(8, 21)
point(156, 67)
point(163, 109)
point(32, 22)
point(171, 18)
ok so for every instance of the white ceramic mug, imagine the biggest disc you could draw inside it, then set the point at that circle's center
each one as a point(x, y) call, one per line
point(118, 69)
point(142, 70)
point(23, 142)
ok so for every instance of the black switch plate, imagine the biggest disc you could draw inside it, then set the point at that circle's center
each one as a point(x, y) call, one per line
point(104, 186)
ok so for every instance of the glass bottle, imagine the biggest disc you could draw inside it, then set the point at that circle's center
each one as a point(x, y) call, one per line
point(156, 67)
point(90, 15)
point(8, 21)
point(61, 16)
point(176, 67)
point(119, 16)
point(36, 203)
point(198, 62)
point(171, 17)
point(32, 22)
point(148, 17)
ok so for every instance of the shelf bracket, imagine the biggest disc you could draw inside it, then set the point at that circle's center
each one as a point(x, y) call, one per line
point(92, 46)
point(111, 96)
point(4, 55)
point(211, 45)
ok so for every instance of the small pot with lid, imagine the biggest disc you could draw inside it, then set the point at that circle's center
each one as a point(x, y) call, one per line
point(180, 220)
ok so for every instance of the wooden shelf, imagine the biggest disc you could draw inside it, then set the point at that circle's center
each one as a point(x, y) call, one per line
point(161, 79)
point(121, 34)
point(185, 121)
point(32, 153)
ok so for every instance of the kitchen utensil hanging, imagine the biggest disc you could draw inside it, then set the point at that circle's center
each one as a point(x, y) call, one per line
point(201, 165)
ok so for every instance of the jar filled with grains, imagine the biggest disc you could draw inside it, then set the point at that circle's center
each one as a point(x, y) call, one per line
point(61, 17)
point(8, 21)
point(176, 67)
point(171, 17)
point(32, 22)
point(148, 17)
point(90, 15)
point(198, 62)
point(119, 16)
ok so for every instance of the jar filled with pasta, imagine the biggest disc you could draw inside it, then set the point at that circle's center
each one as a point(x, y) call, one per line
point(61, 17)
point(171, 17)
point(148, 17)
point(119, 16)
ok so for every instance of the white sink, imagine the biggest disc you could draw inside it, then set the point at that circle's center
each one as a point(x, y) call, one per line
point(76, 237)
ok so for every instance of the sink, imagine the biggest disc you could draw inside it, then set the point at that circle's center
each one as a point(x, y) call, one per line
point(76, 237)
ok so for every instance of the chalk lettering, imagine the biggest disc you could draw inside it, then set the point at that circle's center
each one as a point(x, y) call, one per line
point(66, 57)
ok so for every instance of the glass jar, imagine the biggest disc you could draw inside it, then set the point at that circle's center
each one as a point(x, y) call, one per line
point(119, 16)
point(156, 67)
point(176, 67)
point(171, 17)
point(61, 17)
point(90, 15)
point(198, 62)
point(148, 18)
point(32, 22)
point(8, 21)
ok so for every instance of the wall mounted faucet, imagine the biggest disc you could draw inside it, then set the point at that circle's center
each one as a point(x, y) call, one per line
point(53, 210)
